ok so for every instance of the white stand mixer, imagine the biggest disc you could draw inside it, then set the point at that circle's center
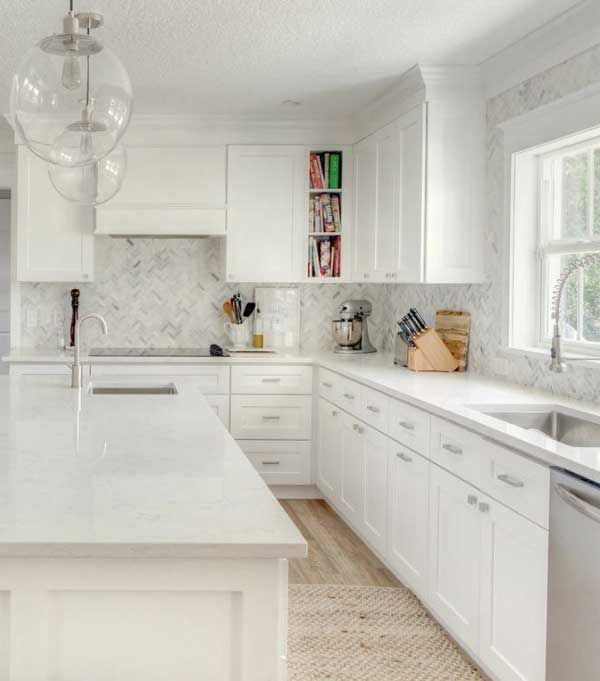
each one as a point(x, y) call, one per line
point(351, 331)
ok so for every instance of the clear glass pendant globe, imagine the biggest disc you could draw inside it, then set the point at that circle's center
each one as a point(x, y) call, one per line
point(54, 113)
point(93, 184)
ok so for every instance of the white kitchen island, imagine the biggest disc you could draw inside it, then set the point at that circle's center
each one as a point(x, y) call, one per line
point(137, 542)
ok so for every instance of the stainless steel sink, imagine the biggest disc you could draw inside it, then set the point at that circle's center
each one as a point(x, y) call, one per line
point(572, 428)
point(116, 389)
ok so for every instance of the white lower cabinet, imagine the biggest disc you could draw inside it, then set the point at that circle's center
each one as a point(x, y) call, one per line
point(351, 469)
point(454, 552)
point(375, 483)
point(408, 512)
point(328, 475)
point(514, 575)
point(279, 462)
point(480, 564)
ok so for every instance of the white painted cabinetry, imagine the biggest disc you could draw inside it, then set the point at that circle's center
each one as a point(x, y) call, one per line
point(169, 191)
point(408, 513)
point(54, 236)
point(419, 184)
point(271, 419)
point(266, 213)
point(328, 470)
point(454, 550)
point(461, 520)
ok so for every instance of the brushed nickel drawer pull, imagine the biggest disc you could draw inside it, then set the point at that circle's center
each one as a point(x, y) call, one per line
point(453, 449)
point(271, 380)
point(271, 418)
point(407, 425)
point(349, 396)
point(327, 385)
point(404, 457)
point(509, 480)
point(271, 463)
point(335, 413)
point(373, 409)
point(357, 428)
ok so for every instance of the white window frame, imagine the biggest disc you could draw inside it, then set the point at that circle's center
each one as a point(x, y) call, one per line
point(550, 215)
point(573, 120)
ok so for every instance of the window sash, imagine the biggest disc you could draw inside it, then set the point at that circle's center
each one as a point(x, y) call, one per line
point(550, 217)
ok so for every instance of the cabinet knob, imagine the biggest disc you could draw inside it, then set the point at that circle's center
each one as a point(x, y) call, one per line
point(335, 413)
point(404, 457)
point(484, 507)
point(472, 500)
point(373, 409)
point(358, 429)
point(453, 449)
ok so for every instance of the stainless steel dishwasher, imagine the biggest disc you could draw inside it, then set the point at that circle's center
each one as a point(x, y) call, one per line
point(573, 649)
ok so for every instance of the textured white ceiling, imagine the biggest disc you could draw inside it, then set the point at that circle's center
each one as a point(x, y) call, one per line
point(243, 57)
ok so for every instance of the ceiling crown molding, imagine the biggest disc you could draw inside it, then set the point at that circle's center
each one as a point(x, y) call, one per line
point(569, 34)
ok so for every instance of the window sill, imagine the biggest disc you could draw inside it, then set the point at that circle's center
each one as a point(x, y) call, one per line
point(540, 353)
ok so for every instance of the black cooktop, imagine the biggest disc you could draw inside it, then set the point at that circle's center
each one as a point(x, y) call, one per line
point(152, 352)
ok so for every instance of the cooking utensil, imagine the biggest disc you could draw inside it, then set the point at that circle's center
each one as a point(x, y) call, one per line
point(249, 309)
point(228, 310)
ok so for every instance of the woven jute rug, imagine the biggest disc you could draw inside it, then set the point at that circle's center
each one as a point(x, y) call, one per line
point(346, 633)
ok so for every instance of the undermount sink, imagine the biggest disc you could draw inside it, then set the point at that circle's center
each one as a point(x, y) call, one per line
point(571, 428)
point(117, 389)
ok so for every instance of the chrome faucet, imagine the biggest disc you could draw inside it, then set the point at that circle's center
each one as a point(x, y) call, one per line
point(557, 362)
point(76, 368)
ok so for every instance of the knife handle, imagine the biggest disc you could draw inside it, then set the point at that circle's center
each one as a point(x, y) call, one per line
point(418, 317)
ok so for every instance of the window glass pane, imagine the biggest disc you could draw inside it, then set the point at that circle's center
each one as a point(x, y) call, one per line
point(597, 192)
point(574, 196)
point(591, 304)
point(556, 265)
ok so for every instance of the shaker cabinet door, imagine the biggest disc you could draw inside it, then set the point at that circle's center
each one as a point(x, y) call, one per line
point(328, 477)
point(375, 482)
point(454, 552)
point(351, 469)
point(514, 576)
point(55, 239)
point(408, 513)
point(266, 213)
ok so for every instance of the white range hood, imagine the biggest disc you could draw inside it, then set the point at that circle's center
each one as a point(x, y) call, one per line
point(169, 192)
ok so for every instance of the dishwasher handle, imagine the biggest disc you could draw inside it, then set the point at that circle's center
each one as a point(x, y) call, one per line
point(576, 502)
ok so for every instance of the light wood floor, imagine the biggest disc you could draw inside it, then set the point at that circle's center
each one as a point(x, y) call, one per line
point(335, 553)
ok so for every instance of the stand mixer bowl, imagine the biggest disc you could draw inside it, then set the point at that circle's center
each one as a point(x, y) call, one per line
point(347, 332)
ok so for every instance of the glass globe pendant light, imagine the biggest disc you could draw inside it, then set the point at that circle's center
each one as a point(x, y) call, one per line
point(71, 97)
point(93, 184)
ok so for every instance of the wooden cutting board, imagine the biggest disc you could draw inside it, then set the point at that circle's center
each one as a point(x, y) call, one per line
point(455, 328)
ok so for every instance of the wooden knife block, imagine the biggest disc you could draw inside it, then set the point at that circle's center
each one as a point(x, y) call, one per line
point(431, 354)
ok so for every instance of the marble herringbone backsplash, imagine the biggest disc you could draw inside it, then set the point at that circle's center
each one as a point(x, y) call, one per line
point(170, 292)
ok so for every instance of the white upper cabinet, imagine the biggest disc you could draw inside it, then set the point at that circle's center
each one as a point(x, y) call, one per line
point(168, 191)
point(54, 237)
point(419, 186)
point(266, 213)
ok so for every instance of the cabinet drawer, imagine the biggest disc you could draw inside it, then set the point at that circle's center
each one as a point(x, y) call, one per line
point(283, 417)
point(517, 482)
point(328, 384)
point(208, 379)
point(348, 394)
point(457, 450)
point(410, 426)
point(279, 463)
point(271, 380)
point(374, 408)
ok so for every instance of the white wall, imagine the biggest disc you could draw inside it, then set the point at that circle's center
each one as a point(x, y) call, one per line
point(4, 278)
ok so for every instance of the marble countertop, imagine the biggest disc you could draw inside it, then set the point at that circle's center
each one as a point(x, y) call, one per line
point(128, 476)
point(458, 397)
point(451, 396)
point(66, 358)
